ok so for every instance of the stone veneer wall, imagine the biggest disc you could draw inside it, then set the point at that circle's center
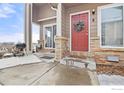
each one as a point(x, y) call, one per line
point(61, 47)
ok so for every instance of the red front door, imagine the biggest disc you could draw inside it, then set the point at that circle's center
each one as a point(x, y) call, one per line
point(79, 37)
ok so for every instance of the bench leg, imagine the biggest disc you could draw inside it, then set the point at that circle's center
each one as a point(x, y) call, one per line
point(86, 64)
point(72, 63)
point(69, 62)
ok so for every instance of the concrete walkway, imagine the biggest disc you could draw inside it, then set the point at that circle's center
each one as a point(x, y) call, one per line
point(23, 74)
point(14, 61)
point(64, 75)
point(44, 74)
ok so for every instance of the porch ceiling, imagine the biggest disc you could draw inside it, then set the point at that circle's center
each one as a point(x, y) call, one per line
point(72, 4)
point(43, 11)
point(55, 4)
point(43, 4)
point(39, 4)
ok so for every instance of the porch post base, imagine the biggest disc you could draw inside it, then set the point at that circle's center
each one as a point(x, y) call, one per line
point(60, 47)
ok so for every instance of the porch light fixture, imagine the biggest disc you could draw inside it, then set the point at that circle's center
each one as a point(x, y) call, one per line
point(93, 11)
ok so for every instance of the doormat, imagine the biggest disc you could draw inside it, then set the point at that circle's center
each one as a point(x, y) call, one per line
point(47, 57)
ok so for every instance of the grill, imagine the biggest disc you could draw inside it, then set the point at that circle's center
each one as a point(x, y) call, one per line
point(20, 49)
point(21, 46)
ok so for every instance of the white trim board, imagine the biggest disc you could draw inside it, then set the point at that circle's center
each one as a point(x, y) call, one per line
point(71, 14)
point(59, 20)
point(45, 19)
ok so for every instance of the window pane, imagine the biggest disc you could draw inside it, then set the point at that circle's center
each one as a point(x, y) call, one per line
point(112, 26)
point(48, 37)
point(54, 33)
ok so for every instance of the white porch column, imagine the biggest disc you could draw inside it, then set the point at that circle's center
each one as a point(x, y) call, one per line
point(60, 41)
point(59, 19)
point(28, 27)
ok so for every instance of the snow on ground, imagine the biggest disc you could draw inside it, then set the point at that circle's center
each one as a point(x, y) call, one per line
point(105, 79)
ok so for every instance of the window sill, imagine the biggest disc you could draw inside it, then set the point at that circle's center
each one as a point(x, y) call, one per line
point(116, 49)
point(110, 47)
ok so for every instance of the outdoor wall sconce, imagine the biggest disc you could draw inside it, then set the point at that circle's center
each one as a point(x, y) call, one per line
point(93, 13)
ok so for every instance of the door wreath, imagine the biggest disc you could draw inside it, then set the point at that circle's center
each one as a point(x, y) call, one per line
point(79, 26)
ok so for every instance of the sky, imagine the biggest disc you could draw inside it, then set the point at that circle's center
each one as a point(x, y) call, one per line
point(12, 23)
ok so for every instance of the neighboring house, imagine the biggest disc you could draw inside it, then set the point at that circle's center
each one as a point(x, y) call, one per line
point(81, 28)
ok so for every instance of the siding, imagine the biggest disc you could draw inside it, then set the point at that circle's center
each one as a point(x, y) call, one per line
point(43, 11)
point(94, 39)
point(95, 49)
point(45, 23)
point(63, 21)
point(35, 13)
point(83, 7)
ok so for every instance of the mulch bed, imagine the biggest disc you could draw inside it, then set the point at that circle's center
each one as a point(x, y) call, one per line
point(110, 69)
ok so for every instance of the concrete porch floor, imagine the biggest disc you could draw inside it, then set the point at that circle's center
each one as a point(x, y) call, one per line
point(44, 74)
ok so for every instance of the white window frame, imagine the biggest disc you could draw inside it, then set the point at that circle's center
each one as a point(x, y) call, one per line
point(44, 26)
point(99, 23)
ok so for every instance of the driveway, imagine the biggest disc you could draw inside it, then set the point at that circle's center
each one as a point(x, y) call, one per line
point(44, 74)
